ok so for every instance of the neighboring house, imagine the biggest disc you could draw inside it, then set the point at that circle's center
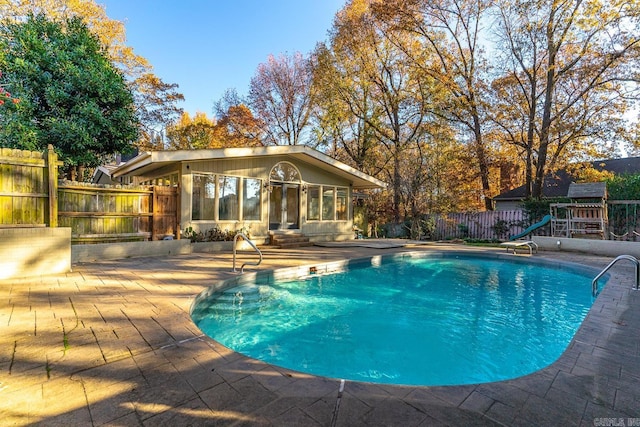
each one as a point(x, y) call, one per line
point(264, 190)
point(102, 175)
point(557, 184)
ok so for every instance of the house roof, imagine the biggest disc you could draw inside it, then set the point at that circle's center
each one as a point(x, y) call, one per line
point(151, 160)
point(587, 190)
point(557, 184)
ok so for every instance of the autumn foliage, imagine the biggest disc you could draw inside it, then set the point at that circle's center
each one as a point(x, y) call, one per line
point(450, 102)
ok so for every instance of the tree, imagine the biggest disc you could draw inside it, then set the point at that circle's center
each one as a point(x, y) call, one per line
point(281, 97)
point(110, 32)
point(239, 128)
point(373, 79)
point(70, 95)
point(345, 135)
point(155, 107)
point(570, 75)
point(449, 32)
point(5, 96)
point(193, 133)
point(155, 100)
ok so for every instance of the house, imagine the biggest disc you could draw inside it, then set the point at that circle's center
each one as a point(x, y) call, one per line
point(557, 185)
point(264, 190)
point(104, 174)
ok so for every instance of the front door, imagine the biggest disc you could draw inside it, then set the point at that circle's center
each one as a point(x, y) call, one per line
point(284, 206)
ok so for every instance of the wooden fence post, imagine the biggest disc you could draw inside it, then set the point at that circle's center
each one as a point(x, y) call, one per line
point(52, 168)
point(154, 214)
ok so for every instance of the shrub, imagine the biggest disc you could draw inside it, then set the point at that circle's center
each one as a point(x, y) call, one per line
point(215, 234)
point(501, 228)
point(537, 209)
point(463, 229)
point(624, 187)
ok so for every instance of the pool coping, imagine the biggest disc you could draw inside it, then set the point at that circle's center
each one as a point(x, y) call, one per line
point(269, 277)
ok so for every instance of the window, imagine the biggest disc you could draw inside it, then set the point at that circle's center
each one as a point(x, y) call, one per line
point(251, 199)
point(170, 180)
point(284, 172)
point(313, 203)
point(203, 198)
point(227, 198)
point(328, 203)
point(341, 204)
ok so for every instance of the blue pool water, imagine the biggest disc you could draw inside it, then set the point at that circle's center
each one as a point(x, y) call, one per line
point(415, 321)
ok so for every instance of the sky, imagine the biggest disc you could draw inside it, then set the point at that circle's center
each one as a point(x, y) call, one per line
point(209, 46)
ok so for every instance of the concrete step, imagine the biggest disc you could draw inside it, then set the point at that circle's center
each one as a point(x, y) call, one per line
point(289, 240)
point(294, 245)
point(278, 240)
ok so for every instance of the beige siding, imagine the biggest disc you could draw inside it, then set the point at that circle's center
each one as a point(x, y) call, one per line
point(157, 173)
point(314, 175)
point(328, 230)
point(261, 167)
point(185, 201)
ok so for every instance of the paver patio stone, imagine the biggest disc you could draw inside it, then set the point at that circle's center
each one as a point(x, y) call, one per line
point(191, 413)
point(108, 403)
point(501, 413)
point(132, 356)
point(477, 402)
point(546, 412)
point(351, 410)
point(594, 411)
point(393, 412)
point(295, 417)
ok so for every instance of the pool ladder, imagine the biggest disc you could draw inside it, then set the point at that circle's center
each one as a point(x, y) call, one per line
point(634, 260)
point(235, 244)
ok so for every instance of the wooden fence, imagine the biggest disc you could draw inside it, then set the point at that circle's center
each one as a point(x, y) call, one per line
point(31, 196)
point(481, 225)
point(104, 213)
point(624, 219)
point(623, 223)
point(26, 180)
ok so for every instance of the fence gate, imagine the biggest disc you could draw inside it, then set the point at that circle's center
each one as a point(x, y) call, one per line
point(165, 212)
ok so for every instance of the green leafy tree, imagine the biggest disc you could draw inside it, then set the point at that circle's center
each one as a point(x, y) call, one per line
point(5, 96)
point(71, 96)
point(156, 101)
point(624, 187)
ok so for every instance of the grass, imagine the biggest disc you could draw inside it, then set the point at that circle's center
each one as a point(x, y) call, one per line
point(493, 243)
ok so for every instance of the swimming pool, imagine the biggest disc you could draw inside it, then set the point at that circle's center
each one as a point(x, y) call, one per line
point(414, 319)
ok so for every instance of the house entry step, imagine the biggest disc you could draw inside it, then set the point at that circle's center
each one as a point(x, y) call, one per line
point(288, 239)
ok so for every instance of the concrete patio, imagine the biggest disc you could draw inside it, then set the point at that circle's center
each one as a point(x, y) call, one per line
point(112, 343)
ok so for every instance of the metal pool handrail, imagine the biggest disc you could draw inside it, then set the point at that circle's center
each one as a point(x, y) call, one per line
point(594, 283)
point(246, 239)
